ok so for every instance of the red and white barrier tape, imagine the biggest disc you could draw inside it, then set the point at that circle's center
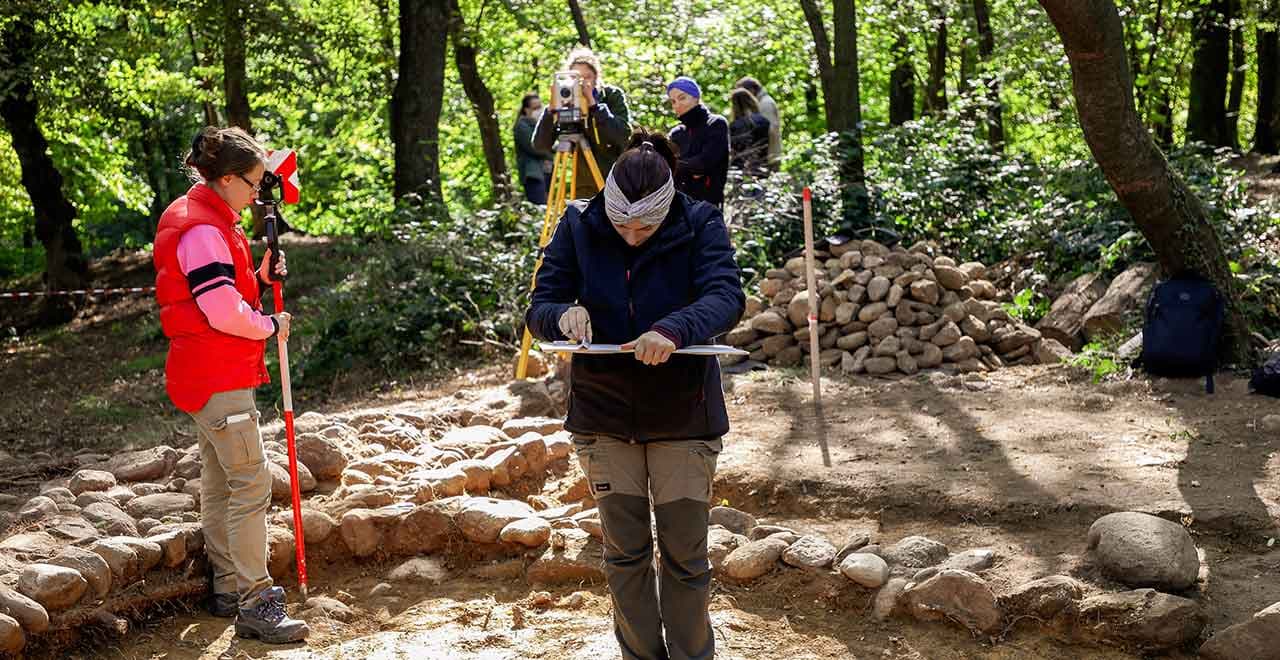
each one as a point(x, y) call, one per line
point(76, 292)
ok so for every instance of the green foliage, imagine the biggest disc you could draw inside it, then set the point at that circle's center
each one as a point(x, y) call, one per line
point(1028, 306)
point(428, 295)
point(1098, 360)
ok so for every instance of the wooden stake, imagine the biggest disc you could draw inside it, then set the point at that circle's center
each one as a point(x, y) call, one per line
point(811, 278)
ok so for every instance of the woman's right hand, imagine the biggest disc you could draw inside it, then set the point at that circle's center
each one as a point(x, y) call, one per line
point(282, 321)
point(575, 323)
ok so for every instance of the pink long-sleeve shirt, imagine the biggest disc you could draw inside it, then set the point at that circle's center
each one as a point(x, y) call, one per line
point(205, 259)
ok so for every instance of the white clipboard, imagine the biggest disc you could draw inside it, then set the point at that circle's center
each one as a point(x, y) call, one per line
point(607, 349)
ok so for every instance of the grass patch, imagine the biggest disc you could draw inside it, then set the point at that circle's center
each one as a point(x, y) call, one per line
point(106, 411)
point(141, 364)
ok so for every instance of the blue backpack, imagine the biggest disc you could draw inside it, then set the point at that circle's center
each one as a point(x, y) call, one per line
point(1183, 329)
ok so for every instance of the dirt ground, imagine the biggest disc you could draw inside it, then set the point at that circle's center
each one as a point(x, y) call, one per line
point(1021, 461)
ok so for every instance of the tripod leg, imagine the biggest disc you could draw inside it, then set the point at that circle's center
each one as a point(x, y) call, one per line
point(591, 163)
point(555, 208)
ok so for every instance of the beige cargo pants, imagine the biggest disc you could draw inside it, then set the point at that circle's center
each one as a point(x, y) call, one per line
point(235, 493)
point(662, 616)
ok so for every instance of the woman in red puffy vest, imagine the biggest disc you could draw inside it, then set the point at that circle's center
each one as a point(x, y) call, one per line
point(209, 294)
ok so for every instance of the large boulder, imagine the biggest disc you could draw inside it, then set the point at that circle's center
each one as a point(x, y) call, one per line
point(32, 615)
point(1257, 639)
point(915, 552)
point(812, 553)
point(754, 559)
point(482, 519)
point(12, 639)
point(1144, 618)
point(360, 532)
point(738, 522)
point(1043, 598)
point(91, 481)
point(110, 519)
point(530, 532)
point(865, 569)
point(427, 528)
point(958, 596)
point(146, 465)
point(322, 455)
point(572, 557)
point(91, 566)
point(1142, 550)
point(160, 505)
point(54, 587)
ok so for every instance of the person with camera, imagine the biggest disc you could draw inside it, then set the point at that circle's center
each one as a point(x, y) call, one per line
point(533, 166)
point(748, 135)
point(651, 268)
point(703, 139)
point(607, 120)
point(209, 295)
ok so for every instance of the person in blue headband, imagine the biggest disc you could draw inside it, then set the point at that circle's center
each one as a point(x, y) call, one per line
point(703, 139)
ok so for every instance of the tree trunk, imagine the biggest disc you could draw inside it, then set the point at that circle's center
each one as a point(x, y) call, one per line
point(857, 204)
point(935, 94)
point(415, 105)
point(1162, 122)
point(1268, 123)
point(464, 56)
point(902, 83)
point(386, 34)
point(990, 79)
point(1239, 71)
point(210, 110)
point(822, 49)
point(233, 54)
point(579, 22)
point(1173, 220)
point(812, 109)
point(66, 266)
point(1211, 64)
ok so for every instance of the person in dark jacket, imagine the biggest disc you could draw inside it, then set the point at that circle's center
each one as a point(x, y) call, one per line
point(703, 139)
point(652, 269)
point(608, 122)
point(532, 165)
point(748, 134)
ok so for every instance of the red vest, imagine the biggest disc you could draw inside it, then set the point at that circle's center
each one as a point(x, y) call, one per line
point(203, 361)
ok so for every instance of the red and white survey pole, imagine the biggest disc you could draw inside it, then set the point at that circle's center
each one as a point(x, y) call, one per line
point(282, 170)
point(811, 281)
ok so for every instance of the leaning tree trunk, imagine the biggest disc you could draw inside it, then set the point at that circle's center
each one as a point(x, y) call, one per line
point(65, 264)
point(464, 56)
point(1169, 215)
point(935, 92)
point(416, 102)
point(1239, 71)
point(990, 80)
point(233, 57)
point(580, 23)
point(1268, 123)
point(902, 83)
point(1211, 63)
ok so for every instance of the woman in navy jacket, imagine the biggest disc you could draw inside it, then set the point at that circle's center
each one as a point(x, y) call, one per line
point(652, 269)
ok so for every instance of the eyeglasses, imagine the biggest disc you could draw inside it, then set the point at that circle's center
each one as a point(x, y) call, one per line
point(257, 187)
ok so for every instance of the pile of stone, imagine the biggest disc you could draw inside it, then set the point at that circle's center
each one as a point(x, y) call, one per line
point(885, 310)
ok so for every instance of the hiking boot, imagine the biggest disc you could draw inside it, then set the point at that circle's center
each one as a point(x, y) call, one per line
point(266, 620)
point(223, 606)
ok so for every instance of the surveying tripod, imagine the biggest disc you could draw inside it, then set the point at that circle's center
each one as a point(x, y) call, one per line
point(564, 176)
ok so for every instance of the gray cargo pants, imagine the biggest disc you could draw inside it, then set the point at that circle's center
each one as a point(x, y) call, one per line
point(674, 478)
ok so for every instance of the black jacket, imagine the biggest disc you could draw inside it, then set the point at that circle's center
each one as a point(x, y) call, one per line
point(703, 166)
point(749, 143)
point(683, 281)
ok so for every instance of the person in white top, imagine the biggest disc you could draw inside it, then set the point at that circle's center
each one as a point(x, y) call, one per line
point(769, 109)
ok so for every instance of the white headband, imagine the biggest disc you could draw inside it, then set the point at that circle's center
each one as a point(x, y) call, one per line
point(650, 210)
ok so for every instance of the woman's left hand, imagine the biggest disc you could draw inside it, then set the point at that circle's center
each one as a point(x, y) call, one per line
point(264, 269)
point(651, 348)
